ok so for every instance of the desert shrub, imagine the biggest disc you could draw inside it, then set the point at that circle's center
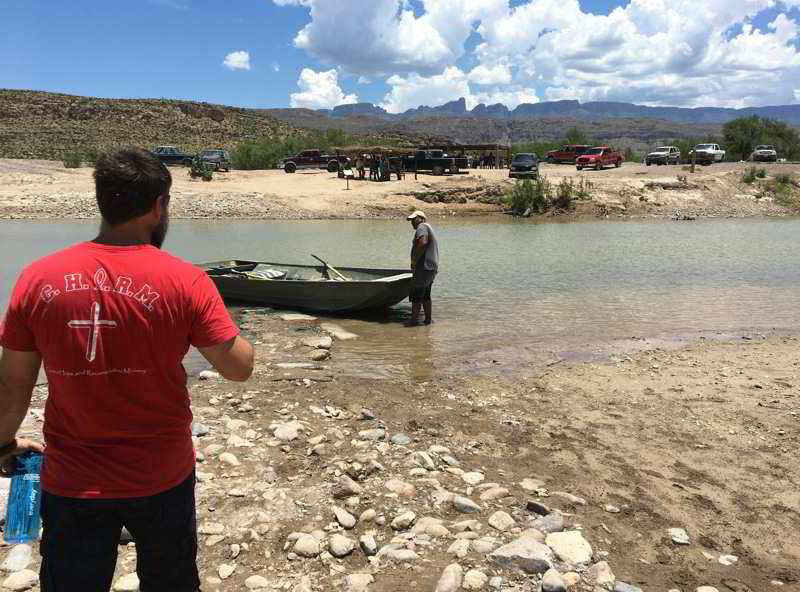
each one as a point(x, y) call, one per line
point(90, 155)
point(565, 194)
point(71, 159)
point(583, 189)
point(749, 176)
point(267, 153)
point(530, 196)
point(785, 190)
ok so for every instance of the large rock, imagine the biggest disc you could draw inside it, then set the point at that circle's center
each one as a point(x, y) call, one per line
point(404, 521)
point(256, 582)
point(306, 546)
point(358, 582)
point(346, 487)
point(623, 587)
point(398, 553)
point(343, 517)
point(552, 581)
point(286, 432)
point(337, 332)
point(501, 520)
point(18, 559)
point(127, 583)
point(474, 579)
point(570, 547)
point(323, 342)
point(368, 544)
point(21, 580)
point(553, 522)
point(401, 488)
point(464, 504)
point(526, 554)
point(600, 574)
point(341, 546)
point(451, 578)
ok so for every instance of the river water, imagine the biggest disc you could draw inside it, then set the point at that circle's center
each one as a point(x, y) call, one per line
point(513, 293)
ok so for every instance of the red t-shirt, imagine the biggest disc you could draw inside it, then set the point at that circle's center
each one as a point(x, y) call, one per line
point(112, 325)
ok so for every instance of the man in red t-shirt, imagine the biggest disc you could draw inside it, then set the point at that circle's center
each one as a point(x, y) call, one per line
point(112, 320)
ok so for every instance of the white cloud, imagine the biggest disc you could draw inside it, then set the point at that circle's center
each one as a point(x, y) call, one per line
point(237, 60)
point(320, 90)
point(364, 80)
point(276, 67)
point(453, 84)
point(488, 75)
point(668, 52)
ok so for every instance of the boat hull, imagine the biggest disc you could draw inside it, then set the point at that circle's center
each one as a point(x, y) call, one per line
point(368, 289)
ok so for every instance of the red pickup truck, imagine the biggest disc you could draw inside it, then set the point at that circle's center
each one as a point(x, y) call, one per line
point(568, 153)
point(598, 157)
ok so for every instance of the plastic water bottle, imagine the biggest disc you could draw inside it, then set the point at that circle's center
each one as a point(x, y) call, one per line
point(24, 500)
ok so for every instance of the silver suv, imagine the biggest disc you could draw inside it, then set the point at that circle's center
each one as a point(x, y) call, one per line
point(663, 155)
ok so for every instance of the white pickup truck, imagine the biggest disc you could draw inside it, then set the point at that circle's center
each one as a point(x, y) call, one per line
point(707, 153)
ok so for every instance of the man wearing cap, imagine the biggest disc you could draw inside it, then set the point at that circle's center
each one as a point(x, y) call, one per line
point(424, 265)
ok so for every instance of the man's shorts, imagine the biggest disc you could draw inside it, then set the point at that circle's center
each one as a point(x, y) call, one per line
point(421, 285)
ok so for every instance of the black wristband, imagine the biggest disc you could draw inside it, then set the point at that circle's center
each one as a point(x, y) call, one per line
point(8, 447)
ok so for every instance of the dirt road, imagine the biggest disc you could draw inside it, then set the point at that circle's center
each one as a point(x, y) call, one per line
point(45, 189)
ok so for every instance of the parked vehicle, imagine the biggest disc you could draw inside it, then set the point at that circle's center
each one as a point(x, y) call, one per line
point(707, 153)
point(524, 165)
point(173, 155)
point(219, 159)
point(764, 152)
point(436, 161)
point(599, 157)
point(310, 159)
point(568, 154)
point(663, 155)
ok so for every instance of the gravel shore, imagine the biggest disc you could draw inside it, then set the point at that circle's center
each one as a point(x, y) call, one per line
point(667, 470)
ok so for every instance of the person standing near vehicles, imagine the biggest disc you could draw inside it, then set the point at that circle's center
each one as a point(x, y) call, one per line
point(112, 320)
point(424, 265)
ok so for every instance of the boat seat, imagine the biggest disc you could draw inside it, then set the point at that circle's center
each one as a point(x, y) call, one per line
point(393, 278)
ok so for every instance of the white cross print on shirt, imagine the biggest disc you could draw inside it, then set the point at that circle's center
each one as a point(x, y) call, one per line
point(95, 324)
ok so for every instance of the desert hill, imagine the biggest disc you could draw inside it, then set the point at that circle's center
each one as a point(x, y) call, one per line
point(43, 125)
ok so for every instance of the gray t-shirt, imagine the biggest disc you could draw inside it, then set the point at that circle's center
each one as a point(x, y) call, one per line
point(430, 259)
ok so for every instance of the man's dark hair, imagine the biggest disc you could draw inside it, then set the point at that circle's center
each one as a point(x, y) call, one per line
point(128, 182)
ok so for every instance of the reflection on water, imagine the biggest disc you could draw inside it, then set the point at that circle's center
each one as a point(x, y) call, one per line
point(511, 293)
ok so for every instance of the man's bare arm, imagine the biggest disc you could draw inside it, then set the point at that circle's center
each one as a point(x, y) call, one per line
point(18, 373)
point(232, 359)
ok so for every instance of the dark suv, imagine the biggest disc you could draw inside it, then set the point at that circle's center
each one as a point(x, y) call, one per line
point(524, 165)
point(173, 155)
point(219, 159)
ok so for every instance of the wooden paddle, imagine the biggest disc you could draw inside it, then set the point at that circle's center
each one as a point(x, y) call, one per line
point(333, 269)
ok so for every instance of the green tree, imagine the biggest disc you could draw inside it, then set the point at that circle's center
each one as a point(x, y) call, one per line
point(576, 135)
point(742, 135)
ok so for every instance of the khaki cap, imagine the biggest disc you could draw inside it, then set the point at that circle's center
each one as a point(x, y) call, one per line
point(415, 214)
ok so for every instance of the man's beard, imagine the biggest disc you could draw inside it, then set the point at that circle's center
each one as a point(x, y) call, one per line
point(160, 232)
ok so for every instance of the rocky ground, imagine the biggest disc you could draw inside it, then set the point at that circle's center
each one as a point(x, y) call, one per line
point(668, 470)
point(46, 190)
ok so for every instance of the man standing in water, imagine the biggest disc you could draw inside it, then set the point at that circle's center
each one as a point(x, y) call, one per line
point(112, 320)
point(425, 265)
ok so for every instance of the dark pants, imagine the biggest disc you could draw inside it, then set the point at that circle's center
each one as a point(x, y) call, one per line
point(79, 544)
point(421, 285)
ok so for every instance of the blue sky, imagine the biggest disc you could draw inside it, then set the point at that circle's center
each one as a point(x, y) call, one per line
point(176, 48)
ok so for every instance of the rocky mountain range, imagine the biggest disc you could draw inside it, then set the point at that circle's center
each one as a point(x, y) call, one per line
point(573, 110)
point(44, 125)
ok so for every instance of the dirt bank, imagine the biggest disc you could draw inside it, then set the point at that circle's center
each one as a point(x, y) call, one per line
point(703, 438)
point(44, 189)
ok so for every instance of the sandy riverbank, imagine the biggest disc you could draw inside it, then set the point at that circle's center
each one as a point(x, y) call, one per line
point(45, 189)
point(702, 438)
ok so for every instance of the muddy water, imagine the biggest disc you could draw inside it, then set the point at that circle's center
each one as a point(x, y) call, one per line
point(514, 293)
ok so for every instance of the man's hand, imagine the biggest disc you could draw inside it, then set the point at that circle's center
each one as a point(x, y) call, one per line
point(22, 445)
